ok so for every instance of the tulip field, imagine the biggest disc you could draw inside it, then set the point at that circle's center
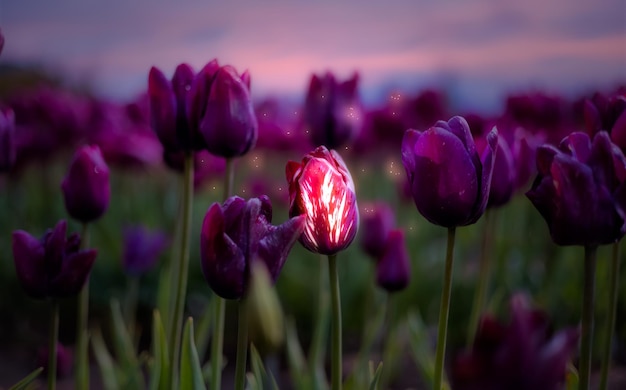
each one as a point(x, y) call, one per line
point(197, 238)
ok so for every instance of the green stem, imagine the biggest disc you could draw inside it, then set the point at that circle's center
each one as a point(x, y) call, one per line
point(82, 356)
point(242, 345)
point(444, 310)
point(335, 323)
point(217, 341)
point(52, 347)
point(132, 296)
point(183, 264)
point(483, 279)
point(587, 317)
point(320, 332)
point(610, 322)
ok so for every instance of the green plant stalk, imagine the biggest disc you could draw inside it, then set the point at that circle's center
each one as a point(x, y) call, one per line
point(484, 274)
point(169, 279)
point(217, 341)
point(610, 322)
point(587, 316)
point(242, 345)
point(181, 287)
point(52, 346)
point(320, 331)
point(82, 356)
point(132, 296)
point(335, 323)
point(444, 310)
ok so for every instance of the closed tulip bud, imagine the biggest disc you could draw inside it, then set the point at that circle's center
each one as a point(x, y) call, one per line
point(7, 140)
point(142, 249)
point(608, 114)
point(393, 270)
point(227, 119)
point(503, 178)
point(449, 181)
point(580, 190)
point(265, 314)
point(321, 188)
point(65, 360)
point(86, 188)
point(52, 266)
point(235, 233)
point(378, 220)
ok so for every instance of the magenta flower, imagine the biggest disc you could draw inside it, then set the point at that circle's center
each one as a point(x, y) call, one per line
point(608, 114)
point(86, 187)
point(523, 354)
point(142, 249)
point(333, 111)
point(378, 220)
point(235, 234)
point(580, 190)
point(321, 188)
point(7, 140)
point(449, 181)
point(503, 177)
point(393, 269)
point(52, 266)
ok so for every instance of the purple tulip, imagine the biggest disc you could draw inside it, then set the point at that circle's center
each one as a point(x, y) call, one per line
point(142, 249)
point(1, 41)
point(393, 269)
point(52, 266)
point(378, 220)
point(7, 140)
point(333, 111)
point(65, 360)
point(523, 354)
point(503, 178)
point(321, 188)
point(608, 114)
point(225, 114)
point(450, 182)
point(86, 188)
point(580, 190)
point(235, 234)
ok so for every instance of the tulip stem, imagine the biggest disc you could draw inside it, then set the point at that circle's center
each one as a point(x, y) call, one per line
point(52, 347)
point(82, 356)
point(610, 322)
point(444, 310)
point(132, 296)
point(320, 331)
point(335, 323)
point(217, 341)
point(242, 345)
point(484, 274)
point(587, 316)
point(181, 288)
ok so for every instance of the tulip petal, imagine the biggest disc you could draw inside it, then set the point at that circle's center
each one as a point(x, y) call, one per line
point(277, 243)
point(393, 270)
point(408, 151)
point(577, 145)
point(503, 177)
point(618, 133)
point(163, 109)
point(196, 99)
point(73, 274)
point(29, 258)
point(593, 121)
point(459, 127)
point(487, 163)
point(545, 156)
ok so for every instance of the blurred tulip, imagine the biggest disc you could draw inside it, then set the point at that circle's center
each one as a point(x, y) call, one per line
point(608, 114)
point(523, 354)
point(321, 188)
point(503, 178)
point(450, 182)
point(236, 233)
point(226, 116)
point(86, 188)
point(1, 41)
point(7, 140)
point(524, 150)
point(52, 266)
point(65, 360)
point(142, 249)
point(378, 220)
point(580, 190)
point(332, 110)
point(393, 269)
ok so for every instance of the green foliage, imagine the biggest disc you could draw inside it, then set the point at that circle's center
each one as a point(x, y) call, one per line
point(27, 381)
point(190, 370)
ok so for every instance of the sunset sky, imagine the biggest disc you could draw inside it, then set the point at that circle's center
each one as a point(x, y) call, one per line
point(480, 50)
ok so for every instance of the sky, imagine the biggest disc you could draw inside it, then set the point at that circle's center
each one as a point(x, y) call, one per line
point(478, 50)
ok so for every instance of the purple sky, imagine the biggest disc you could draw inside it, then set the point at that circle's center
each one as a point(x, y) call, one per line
point(478, 49)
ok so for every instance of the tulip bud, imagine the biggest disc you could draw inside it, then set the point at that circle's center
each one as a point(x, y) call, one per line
point(321, 188)
point(142, 249)
point(503, 178)
point(65, 360)
point(378, 220)
point(7, 139)
point(52, 266)
point(86, 188)
point(393, 270)
point(227, 121)
point(450, 182)
point(266, 322)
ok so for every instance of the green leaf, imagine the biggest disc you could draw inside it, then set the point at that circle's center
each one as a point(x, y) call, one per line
point(27, 380)
point(205, 325)
point(422, 354)
point(105, 362)
point(375, 375)
point(160, 373)
point(190, 369)
point(295, 358)
point(571, 377)
point(125, 349)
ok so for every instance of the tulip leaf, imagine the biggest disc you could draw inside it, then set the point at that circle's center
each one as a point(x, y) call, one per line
point(422, 355)
point(160, 370)
point(190, 369)
point(205, 324)
point(295, 357)
point(27, 380)
point(571, 377)
point(375, 375)
point(105, 362)
point(125, 349)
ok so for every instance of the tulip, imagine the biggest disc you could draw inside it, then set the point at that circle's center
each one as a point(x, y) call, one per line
point(608, 114)
point(142, 249)
point(378, 220)
point(226, 116)
point(86, 188)
point(332, 110)
point(450, 182)
point(52, 266)
point(523, 354)
point(235, 233)
point(393, 270)
point(7, 139)
point(503, 178)
point(321, 188)
point(65, 360)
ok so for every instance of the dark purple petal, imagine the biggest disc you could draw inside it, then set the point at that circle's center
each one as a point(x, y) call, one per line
point(393, 270)
point(196, 99)
point(8, 145)
point(163, 109)
point(487, 164)
point(578, 145)
point(73, 274)
point(503, 178)
point(378, 220)
point(54, 244)
point(408, 151)
point(593, 121)
point(29, 258)
point(277, 243)
point(618, 133)
point(459, 127)
point(142, 249)
point(545, 156)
